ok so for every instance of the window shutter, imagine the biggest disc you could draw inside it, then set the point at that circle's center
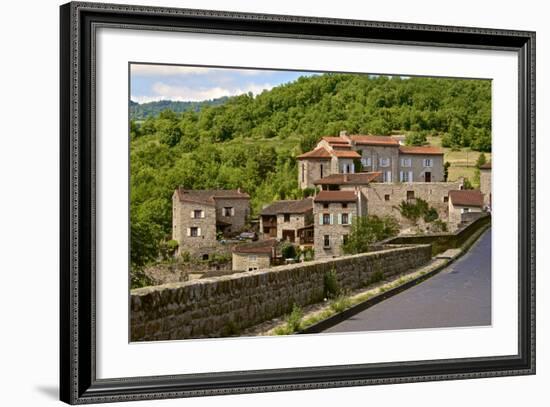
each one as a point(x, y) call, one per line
point(199, 232)
point(232, 211)
point(350, 217)
point(188, 231)
point(389, 176)
point(410, 176)
point(202, 214)
point(331, 220)
point(320, 219)
point(339, 218)
point(192, 214)
point(401, 176)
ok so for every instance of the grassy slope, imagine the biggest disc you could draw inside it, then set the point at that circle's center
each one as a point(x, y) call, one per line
point(462, 162)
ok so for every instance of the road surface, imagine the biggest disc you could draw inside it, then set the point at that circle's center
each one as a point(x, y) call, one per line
point(459, 296)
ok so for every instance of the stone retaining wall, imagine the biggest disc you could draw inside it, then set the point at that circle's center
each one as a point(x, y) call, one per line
point(223, 306)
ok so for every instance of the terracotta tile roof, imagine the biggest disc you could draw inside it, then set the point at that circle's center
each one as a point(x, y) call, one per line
point(208, 196)
point(486, 166)
point(259, 247)
point(345, 154)
point(424, 150)
point(336, 196)
point(335, 140)
point(466, 197)
point(360, 178)
point(319, 152)
point(295, 206)
point(374, 140)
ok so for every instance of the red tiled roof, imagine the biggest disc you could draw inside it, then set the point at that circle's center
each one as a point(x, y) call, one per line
point(301, 206)
point(345, 154)
point(360, 178)
point(336, 196)
point(374, 140)
point(335, 140)
point(486, 166)
point(424, 150)
point(319, 152)
point(260, 247)
point(208, 196)
point(466, 197)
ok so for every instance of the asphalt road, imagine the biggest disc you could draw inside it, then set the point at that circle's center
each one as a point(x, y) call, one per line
point(458, 296)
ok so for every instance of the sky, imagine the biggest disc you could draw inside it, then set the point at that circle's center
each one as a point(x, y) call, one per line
point(189, 83)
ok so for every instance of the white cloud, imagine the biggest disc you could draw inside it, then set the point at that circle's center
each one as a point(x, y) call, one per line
point(171, 70)
point(167, 70)
point(162, 91)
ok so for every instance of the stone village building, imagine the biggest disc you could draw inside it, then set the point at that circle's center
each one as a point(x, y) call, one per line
point(254, 256)
point(397, 163)
point(485, 183)
point(290, 220)
point(333, 214)
point(463, 204)
point(198, 216)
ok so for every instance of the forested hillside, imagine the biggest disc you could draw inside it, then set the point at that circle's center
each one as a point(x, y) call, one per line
point(141, 111)
point(251, 142)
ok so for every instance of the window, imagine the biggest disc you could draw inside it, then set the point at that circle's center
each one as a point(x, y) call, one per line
point(228, 211)
point(197, 214)
point(428, 162)
point(326, 241)
point(205, 257)
point(410, 195)
point(345, 219)
point(465, 210)
point(405, 176)
point(252, 258)
point(387, 197)
point(326, 219)
point(384, 162)
point(445, 199)
point(344, 205)
point(344, 239)
point(325, 206)
point(405, 162)
point(286, 217)
point(321, 170)
point(303, 172)
point(387, 176)
point(365, 161)
point(194, 232)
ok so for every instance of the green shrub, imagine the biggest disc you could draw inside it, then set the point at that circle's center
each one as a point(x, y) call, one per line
point(431, 215)
point(331, 285)
point(288, 251)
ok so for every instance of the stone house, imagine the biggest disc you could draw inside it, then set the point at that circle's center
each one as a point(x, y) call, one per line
point(333, 214)
point(384, 154)
point(287, 220)
point(485, 183)
point(383, 198)
point(198, 216)
point(464, 202)
point(254, 256)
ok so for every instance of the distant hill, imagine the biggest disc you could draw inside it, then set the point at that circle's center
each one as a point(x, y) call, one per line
point(141, 111)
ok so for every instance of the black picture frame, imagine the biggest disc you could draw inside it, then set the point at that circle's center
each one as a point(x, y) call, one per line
point(78, 382)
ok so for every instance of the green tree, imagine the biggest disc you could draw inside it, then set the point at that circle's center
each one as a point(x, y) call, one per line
point(366, 230)
point(415, 139)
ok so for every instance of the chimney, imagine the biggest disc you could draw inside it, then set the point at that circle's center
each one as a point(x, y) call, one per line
point(345, 177)
point(343, 133)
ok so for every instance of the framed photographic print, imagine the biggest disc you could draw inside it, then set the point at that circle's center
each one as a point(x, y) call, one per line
point(255, 203)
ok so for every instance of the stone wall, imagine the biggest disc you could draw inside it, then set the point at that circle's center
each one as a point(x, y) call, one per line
point(225, 305)
point(383, 198)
